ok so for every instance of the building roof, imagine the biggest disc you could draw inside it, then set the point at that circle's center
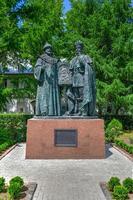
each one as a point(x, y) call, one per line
point(15, 71)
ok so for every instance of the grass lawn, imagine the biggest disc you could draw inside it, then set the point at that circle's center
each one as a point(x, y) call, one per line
point(127, 137)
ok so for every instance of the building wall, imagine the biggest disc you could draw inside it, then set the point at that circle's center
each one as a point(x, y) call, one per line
point(20, 105)
point(24, 105)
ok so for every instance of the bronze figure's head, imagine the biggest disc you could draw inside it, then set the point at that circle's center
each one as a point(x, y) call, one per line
point(48, 49)
point(79, 47)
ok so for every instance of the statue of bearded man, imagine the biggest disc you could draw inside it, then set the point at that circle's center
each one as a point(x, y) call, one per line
point(45, 72)
point(82, 94)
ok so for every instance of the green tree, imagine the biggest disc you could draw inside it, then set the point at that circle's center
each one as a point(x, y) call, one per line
point(42, 22)
point(5, 93)
point(104, 28)
point(23, 32)
point(9, 32)
point(107, 34)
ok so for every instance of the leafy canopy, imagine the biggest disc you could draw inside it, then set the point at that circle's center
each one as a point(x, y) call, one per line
point(104, 26)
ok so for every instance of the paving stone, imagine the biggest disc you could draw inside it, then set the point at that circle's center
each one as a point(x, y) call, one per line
point(66, 179)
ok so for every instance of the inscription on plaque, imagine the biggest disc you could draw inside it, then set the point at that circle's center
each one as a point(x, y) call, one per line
point(66, 138)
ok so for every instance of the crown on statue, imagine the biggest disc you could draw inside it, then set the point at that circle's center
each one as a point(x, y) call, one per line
point(47, 45)
point(79, 43)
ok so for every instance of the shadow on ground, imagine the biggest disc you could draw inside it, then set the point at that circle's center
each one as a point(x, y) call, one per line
point(108, 153)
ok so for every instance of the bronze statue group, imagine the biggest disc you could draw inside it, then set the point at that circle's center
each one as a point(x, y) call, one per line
point(78, 75)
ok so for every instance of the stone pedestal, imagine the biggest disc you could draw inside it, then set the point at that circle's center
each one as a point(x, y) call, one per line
point(41, 141)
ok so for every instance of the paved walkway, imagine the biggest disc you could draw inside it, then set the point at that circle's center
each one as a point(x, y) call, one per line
point(66, 179)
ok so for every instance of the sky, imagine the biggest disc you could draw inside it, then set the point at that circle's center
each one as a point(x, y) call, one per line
point(67, 5)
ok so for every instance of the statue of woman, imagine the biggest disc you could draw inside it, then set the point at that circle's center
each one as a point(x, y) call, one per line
point(45, 72)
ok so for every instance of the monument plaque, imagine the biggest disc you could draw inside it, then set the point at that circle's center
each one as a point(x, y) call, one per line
point(66, 138)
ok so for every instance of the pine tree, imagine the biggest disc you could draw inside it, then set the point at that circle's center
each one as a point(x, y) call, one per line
point(107, 34)
point(9, 31)
point(25, 26)
point(104, 26)
point(42, 22)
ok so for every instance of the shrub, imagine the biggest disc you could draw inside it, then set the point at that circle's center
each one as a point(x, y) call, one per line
point(128, 148)
point(13, 127)
point(4, 135)
point(5, 140)
point(120, 193)
point(2, 184)
point(5, 145)
point(15, 186)
point(126, 120)
point(128, 183)
point(114, 181)
point(114, 129)
point(14, 190)
point(17, 179)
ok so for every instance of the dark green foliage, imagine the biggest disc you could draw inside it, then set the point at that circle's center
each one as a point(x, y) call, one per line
point(104, 29)
point(5, 94)
point(22, 86)
point(126, 120)
point(21, 44)
point(4, 136)
point(2, 184)
point(42, 22)
point(14, 190)
point(13, 127)
point(3, 99)
point(120, 193)
point(126, 147)
point(128, 183)
point(5, 145)
point(114, 181)
point(15, 187)
point(17, 179)
point(9, 31)
point(6, 139)
point(108, 40)
point(114, 129)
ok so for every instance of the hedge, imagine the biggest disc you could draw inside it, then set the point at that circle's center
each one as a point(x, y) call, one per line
point(126, 120)
point(113, 130)
point(121, 144)
point(5, 145)
point(13, 126)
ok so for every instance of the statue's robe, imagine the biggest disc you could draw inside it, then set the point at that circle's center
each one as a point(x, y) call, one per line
point(84, 78)
point(47, 99)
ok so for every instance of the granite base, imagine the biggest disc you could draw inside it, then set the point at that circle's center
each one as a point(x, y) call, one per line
point(41, 139)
